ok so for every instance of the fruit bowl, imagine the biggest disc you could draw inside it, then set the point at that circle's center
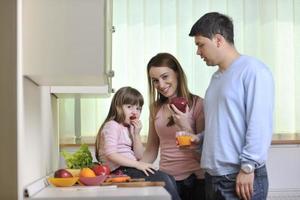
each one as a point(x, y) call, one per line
point(63, 182)
point(74, 172)
point(92, 181)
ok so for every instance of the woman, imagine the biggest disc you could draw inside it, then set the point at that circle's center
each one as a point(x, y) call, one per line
point(167, 80)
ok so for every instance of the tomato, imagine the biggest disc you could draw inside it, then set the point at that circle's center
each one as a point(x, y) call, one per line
point(101, 169)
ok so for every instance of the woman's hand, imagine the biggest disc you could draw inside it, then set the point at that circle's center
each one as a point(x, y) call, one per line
point(196, 139)
point(181, 119)
point(146, 167)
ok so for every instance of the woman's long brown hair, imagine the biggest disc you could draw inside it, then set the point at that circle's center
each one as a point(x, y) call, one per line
point(156, 99)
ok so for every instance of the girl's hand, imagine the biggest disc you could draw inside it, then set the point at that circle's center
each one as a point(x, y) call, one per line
point(134, 131)
point(135, 127)
point(146, 167)
point(181, 119)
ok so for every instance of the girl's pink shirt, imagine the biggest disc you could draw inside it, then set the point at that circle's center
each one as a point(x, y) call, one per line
point(115, 139)
point(178, 162)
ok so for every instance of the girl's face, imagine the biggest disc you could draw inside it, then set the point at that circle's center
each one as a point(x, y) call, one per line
point(131, 112)
point(164, 80)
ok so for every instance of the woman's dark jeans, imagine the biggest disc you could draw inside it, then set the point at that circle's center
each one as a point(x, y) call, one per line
point(191, 188)
point(223, 187)
point(170, 184)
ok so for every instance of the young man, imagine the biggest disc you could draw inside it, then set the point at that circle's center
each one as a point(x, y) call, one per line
point(238, 108)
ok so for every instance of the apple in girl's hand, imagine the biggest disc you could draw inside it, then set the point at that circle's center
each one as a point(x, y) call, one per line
point(62, 173)
point(100, 169)
point(180, 103)
point(133, 117)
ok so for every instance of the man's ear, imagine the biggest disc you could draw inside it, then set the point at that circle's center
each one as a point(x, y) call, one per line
point(219, 39)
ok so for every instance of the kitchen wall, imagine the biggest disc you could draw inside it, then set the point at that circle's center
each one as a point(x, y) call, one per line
point(28, 112)
point(8, 100)
point(39, 141)
point(283, 167)
point(29, 136)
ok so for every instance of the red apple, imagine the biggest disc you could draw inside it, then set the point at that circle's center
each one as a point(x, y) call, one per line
point(101, 169)
point(180, 103)
point(133, 117)
point(62, 173)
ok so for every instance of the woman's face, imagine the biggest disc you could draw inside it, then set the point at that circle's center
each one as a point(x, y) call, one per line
point(165, 81)
point(131, 112)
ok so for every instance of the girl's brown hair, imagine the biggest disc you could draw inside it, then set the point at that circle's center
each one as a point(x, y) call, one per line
point(156, 99)
point(125, 95)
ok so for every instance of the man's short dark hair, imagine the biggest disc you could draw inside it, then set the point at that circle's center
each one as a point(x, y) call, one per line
point(214, 23)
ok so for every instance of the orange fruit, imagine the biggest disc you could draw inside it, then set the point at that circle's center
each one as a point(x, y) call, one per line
point(87, 172)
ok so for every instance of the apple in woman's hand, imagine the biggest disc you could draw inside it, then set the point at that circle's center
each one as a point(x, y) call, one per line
point(62, 173)
point(180, 103)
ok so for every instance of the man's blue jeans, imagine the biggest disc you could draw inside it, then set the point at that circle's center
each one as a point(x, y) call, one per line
point(223, 187)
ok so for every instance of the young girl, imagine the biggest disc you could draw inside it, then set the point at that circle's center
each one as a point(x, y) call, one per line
point(166, 80)
point(118, 142)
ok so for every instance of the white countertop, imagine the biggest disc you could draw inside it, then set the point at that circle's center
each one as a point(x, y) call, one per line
point(102, 193)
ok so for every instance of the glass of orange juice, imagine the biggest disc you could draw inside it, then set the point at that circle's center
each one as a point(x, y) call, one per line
point(183, 138)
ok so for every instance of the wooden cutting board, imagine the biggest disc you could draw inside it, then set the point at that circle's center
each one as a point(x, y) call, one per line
point(136, 184)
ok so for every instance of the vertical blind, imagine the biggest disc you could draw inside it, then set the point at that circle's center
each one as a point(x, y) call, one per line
point(266, 29)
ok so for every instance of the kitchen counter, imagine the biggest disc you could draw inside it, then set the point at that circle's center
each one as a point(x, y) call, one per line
point(286, 139)
point(101, 193)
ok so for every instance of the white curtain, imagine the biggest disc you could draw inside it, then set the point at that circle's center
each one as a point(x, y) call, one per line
point(266, 29)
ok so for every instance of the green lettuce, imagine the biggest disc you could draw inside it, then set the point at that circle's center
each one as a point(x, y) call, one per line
point(80, 159)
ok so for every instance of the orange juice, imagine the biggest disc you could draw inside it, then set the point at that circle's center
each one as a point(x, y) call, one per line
point(184, 140)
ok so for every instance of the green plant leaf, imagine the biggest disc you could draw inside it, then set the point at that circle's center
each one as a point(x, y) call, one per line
point(79, 159)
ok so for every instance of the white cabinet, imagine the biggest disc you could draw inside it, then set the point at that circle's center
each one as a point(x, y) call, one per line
point(67, 43)
point(283, 167)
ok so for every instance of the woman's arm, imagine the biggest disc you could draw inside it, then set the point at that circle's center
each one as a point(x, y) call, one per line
point(152, 146)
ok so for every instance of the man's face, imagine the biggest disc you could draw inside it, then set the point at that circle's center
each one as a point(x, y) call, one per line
point(207, 49)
